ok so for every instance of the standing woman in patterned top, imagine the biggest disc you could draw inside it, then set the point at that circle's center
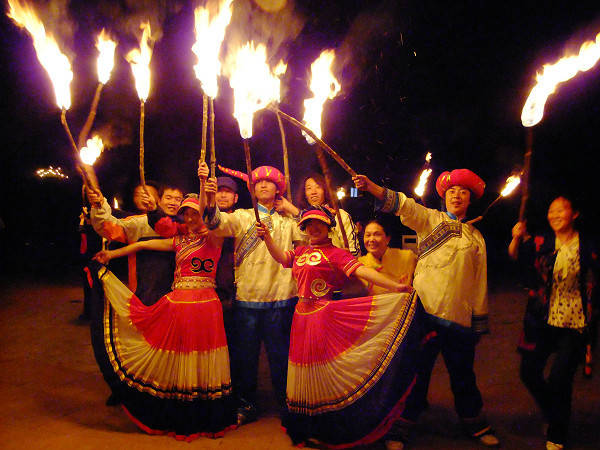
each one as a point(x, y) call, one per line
point(351, 362)
point(558, 313)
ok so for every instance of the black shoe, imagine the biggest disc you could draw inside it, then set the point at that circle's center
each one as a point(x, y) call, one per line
point(246, 413)
point(113, 400)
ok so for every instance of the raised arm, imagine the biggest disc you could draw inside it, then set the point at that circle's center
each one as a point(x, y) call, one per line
point(518, 233)
point(164, 245)
point(277, 253)
point(363, 183)
point(370, 274)
point(282, 205)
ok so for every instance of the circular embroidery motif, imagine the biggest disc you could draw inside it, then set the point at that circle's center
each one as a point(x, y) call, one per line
point(319, 287)
point(312, 259)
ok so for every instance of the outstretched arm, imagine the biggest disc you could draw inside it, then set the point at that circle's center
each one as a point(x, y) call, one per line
point(370, 274)
point(277, 253)
point(153, 244)
point(363, 183)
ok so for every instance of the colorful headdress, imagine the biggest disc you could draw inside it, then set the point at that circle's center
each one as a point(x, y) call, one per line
point(260, 173)
point(460, 177)
point(190, 202)
point(317, 213)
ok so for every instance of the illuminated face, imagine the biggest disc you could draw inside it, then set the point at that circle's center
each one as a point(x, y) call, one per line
point(170, 201)
point(375, 239)
point(226, 198)
point(317, 231)
point(458, 199)
point(265, 191)
point(138, 193)
point(315, 194)
point(192, 219)
point(561, 216)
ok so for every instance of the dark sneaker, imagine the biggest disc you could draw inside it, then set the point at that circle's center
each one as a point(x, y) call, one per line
point(113, 400)
point(246, 413)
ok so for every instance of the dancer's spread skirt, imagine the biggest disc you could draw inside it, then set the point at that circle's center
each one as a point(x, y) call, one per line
point(168, 362)
point(352, 363)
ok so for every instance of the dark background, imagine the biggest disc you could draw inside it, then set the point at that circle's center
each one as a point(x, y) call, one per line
point(417, 76)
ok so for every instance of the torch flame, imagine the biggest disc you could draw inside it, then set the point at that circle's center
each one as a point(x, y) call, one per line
point(554, 74)
point(91, 151)
point(420, 188)
point(280, 69)
point(253, 83)
point(57, 65)
point(324, 86)
point(115, 203)
point(140, 63)
point(106, 59)
point(209, 36)
point(428, 157)
point(511, 183)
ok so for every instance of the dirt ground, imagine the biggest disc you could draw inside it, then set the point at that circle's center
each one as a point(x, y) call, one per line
point(53, 394)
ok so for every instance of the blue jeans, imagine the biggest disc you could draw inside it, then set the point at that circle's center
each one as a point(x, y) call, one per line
point(252, 326)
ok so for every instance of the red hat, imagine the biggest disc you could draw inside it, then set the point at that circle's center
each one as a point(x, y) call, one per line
point(316, 214)
point(189, 202)
point(460, 177)
point(260, 173)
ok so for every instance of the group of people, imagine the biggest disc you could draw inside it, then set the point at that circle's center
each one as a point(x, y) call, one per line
point(180, 352)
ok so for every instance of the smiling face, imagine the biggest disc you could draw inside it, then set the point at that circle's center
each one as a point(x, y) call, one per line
point(314, 192)
point(170, 201)
point(265, 191)
point(458, 199)
point(561, 215)
point(192, 219)
point(375, 239)
point(226, 198)
point(317, 231)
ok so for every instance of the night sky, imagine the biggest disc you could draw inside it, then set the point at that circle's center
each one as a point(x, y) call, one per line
point(417, 76)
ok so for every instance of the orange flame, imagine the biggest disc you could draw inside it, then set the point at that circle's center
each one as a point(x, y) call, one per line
point(324, 86)
point(57, 65)
point(253, 83)
point(554, 74)
point(140, 63)
point(511, 183)
point(91, 151)
point(209, 36)
point(420, 188)
point(106, 59)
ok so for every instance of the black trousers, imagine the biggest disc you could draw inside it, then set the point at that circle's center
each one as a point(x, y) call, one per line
point(553, 395)
point(458, 350)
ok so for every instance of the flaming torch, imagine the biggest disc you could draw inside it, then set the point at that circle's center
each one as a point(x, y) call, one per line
point(280, 71)
point(255, 87)
point(547, 81)
point(91, 151)
point(140, 66)
point(511, 184)
point(106, 61)
point(423, 178)
point(324, 86)
point(56, 64)
point(209, 37)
